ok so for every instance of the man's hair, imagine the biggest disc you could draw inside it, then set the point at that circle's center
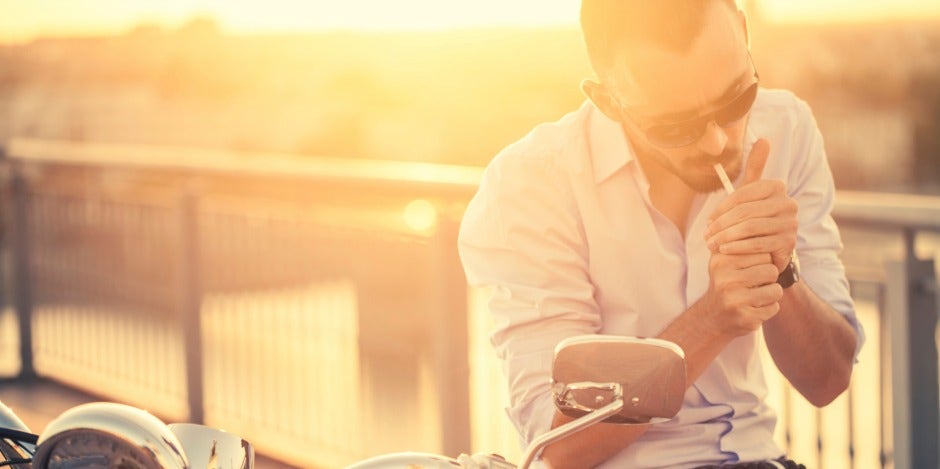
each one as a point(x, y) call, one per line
point(612, 27)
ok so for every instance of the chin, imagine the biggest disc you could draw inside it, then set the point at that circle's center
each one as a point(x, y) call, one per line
point(703, 185)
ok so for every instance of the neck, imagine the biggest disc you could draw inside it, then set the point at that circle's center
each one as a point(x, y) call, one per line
point(668, 194)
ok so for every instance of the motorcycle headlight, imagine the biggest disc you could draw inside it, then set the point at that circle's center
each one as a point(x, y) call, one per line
point(108, 435)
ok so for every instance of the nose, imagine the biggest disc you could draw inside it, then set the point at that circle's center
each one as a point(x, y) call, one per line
point(714, 139)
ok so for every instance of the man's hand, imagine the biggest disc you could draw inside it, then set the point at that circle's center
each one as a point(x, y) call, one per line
point(758, 217)
point(743, 292)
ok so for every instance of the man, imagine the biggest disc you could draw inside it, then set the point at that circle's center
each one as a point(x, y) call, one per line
point(612, 220)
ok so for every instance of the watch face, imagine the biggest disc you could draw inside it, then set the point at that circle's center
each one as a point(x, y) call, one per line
point(790, 275)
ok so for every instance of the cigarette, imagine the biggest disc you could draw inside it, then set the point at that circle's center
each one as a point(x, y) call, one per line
point(724, 178)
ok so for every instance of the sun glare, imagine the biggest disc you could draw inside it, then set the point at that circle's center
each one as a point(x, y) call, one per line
point(420, 215)
point(24, 20)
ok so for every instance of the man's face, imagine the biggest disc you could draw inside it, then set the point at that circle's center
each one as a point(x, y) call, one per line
point(663, 88)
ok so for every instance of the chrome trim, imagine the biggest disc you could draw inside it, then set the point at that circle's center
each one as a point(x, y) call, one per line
point(567, 395)
point(210, 448)
point(535, 448)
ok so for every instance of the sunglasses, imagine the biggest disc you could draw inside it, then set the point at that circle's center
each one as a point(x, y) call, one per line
point(682, 133)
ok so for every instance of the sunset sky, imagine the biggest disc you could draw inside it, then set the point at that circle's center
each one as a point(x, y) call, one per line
point(23, 20)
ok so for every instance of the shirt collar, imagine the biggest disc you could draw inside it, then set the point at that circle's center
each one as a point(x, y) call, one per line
point(608, 146)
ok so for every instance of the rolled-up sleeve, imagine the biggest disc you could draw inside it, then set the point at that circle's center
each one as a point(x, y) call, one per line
point(521, 236)
point(819, 243)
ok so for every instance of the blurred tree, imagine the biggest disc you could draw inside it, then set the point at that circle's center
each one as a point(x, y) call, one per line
point(925, 96)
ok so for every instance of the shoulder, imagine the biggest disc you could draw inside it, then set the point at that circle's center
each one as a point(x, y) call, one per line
point(778, 107)
point(788, 123)
point(551, 149)
point(798, 154)
point(530, 182)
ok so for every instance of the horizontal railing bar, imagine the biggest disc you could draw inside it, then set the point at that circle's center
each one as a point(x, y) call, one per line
point(886, 210)
point(461, 180)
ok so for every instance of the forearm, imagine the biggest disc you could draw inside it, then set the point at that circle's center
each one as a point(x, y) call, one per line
point(697, 335)
point(591, 446)
point(700, 336)
point(811, 344)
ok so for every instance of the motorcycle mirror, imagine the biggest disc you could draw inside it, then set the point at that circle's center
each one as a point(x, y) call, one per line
point(615, 379)
point(592, 371)
point(209, 448)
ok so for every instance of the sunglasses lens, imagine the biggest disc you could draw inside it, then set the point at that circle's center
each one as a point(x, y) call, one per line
point(677, 135)
point(736, 109)
point(674, 135)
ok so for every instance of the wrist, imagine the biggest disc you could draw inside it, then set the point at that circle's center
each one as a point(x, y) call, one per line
point(697, 326)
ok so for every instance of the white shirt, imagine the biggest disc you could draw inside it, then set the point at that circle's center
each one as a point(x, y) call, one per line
point(563, 228)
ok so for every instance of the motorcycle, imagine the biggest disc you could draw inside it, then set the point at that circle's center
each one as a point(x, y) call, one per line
point(110, 435)
point(595, 378)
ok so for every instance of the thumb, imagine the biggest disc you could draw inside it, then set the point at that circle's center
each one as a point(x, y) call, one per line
point(756, 161)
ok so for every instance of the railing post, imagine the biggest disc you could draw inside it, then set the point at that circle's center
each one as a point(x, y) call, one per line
point(911, 307)
point(190, 290)
point(22, 276)
point(450, 342)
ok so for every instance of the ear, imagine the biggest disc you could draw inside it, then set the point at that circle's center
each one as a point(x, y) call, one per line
point(601, 98)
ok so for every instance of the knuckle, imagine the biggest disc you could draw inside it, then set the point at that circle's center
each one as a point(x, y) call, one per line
point(720, 237)
point(792, 206)
point(791, 239)
point(793, 224)
point(715, 262)
point(771, 310)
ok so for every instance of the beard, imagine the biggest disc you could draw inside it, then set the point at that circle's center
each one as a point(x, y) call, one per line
point(698, 171)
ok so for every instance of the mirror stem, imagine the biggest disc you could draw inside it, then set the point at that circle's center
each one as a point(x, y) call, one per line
point(535, 448)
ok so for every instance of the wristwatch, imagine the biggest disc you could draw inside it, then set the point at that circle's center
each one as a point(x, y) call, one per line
point(791, 274)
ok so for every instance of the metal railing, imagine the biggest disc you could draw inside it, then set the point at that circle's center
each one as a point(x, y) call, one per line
point(904, 287)
point(318, 308)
